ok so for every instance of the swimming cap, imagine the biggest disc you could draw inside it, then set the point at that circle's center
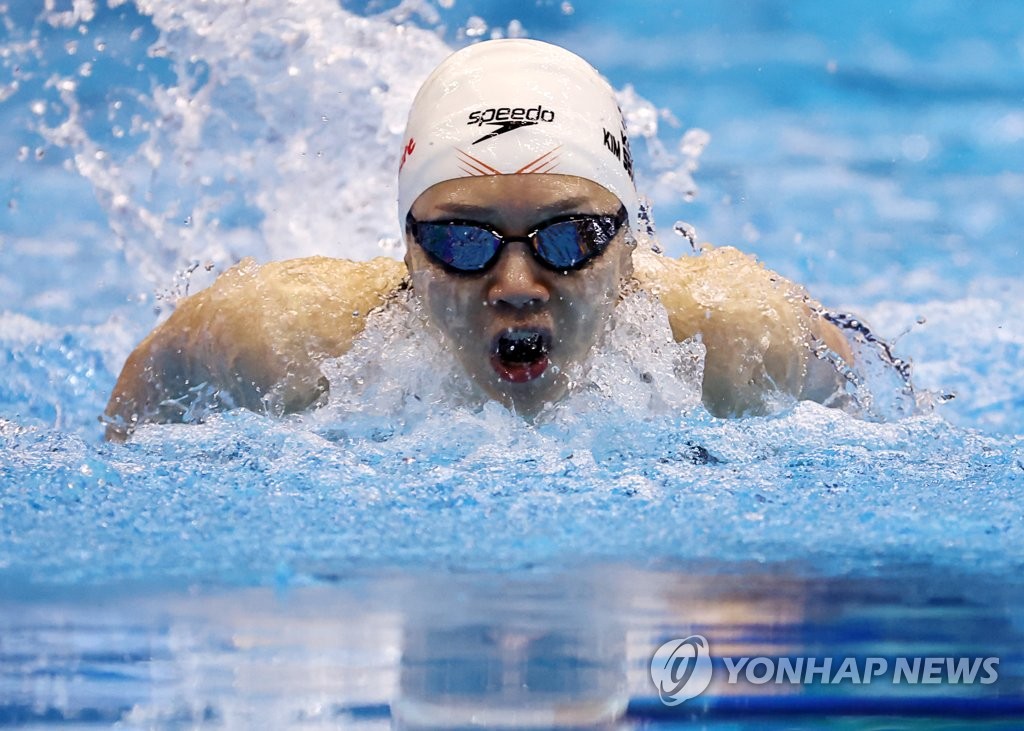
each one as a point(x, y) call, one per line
point(515, 106)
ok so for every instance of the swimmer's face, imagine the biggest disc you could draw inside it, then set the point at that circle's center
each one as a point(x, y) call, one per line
point(518, 326)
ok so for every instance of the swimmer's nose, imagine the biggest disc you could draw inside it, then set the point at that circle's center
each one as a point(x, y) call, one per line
point(515, 279)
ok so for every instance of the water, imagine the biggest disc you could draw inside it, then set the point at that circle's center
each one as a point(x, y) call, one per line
point(405, 552)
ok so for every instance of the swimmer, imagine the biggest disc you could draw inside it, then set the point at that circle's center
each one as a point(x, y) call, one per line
point(517, 200)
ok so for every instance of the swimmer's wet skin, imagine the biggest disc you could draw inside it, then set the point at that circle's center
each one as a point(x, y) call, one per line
point(518, 247)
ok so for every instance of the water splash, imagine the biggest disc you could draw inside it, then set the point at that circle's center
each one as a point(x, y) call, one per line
point(880, 383)
point(399, 372)
point(305, 95)
point(269, 129)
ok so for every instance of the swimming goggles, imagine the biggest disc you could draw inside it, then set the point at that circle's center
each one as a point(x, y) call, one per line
point(562, 244)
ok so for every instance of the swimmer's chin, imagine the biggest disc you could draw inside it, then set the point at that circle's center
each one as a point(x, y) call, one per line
point(520, 372)
point(529, 399)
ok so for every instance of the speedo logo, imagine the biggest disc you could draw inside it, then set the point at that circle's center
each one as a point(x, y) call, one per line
point(506, 119)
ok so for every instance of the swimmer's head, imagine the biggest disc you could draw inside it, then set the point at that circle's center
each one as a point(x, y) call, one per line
point(515, 106)
point(517, 198)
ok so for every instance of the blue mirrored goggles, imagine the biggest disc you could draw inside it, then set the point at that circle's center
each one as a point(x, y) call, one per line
point(564, 243)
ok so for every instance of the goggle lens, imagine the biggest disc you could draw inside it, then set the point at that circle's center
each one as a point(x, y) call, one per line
point(563, 244)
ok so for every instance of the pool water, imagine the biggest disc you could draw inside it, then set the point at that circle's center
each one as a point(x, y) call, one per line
point(408, 557)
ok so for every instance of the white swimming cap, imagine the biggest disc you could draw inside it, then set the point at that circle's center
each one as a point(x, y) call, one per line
point(514, 107)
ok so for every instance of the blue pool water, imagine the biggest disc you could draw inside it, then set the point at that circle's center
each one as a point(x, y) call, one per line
point(376, 561)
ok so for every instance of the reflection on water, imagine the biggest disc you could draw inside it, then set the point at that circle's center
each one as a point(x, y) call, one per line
point(516, 652)
point(540, 649)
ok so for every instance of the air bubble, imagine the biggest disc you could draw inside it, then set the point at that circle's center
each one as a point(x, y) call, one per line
point(567, 8)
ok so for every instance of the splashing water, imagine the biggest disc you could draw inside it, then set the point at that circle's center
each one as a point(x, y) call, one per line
point(273, 130)
point(240, 572)
point(305, 94)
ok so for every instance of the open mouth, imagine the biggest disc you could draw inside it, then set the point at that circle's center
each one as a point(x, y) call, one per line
point(520, 355)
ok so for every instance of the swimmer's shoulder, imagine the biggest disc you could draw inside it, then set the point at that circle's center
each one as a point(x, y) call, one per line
point(323, 276)
point(256, 338)
point(695, 289)
point(759, 329)
point(320, 301)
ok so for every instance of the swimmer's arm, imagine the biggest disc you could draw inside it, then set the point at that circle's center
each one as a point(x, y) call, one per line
point(758, 329)
point(255, 339)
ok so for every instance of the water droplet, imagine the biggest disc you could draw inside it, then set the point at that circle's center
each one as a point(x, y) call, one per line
point(915, 147)
point(6, 92)
point(693, 142)
point(687, 231)
point(476, 26)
